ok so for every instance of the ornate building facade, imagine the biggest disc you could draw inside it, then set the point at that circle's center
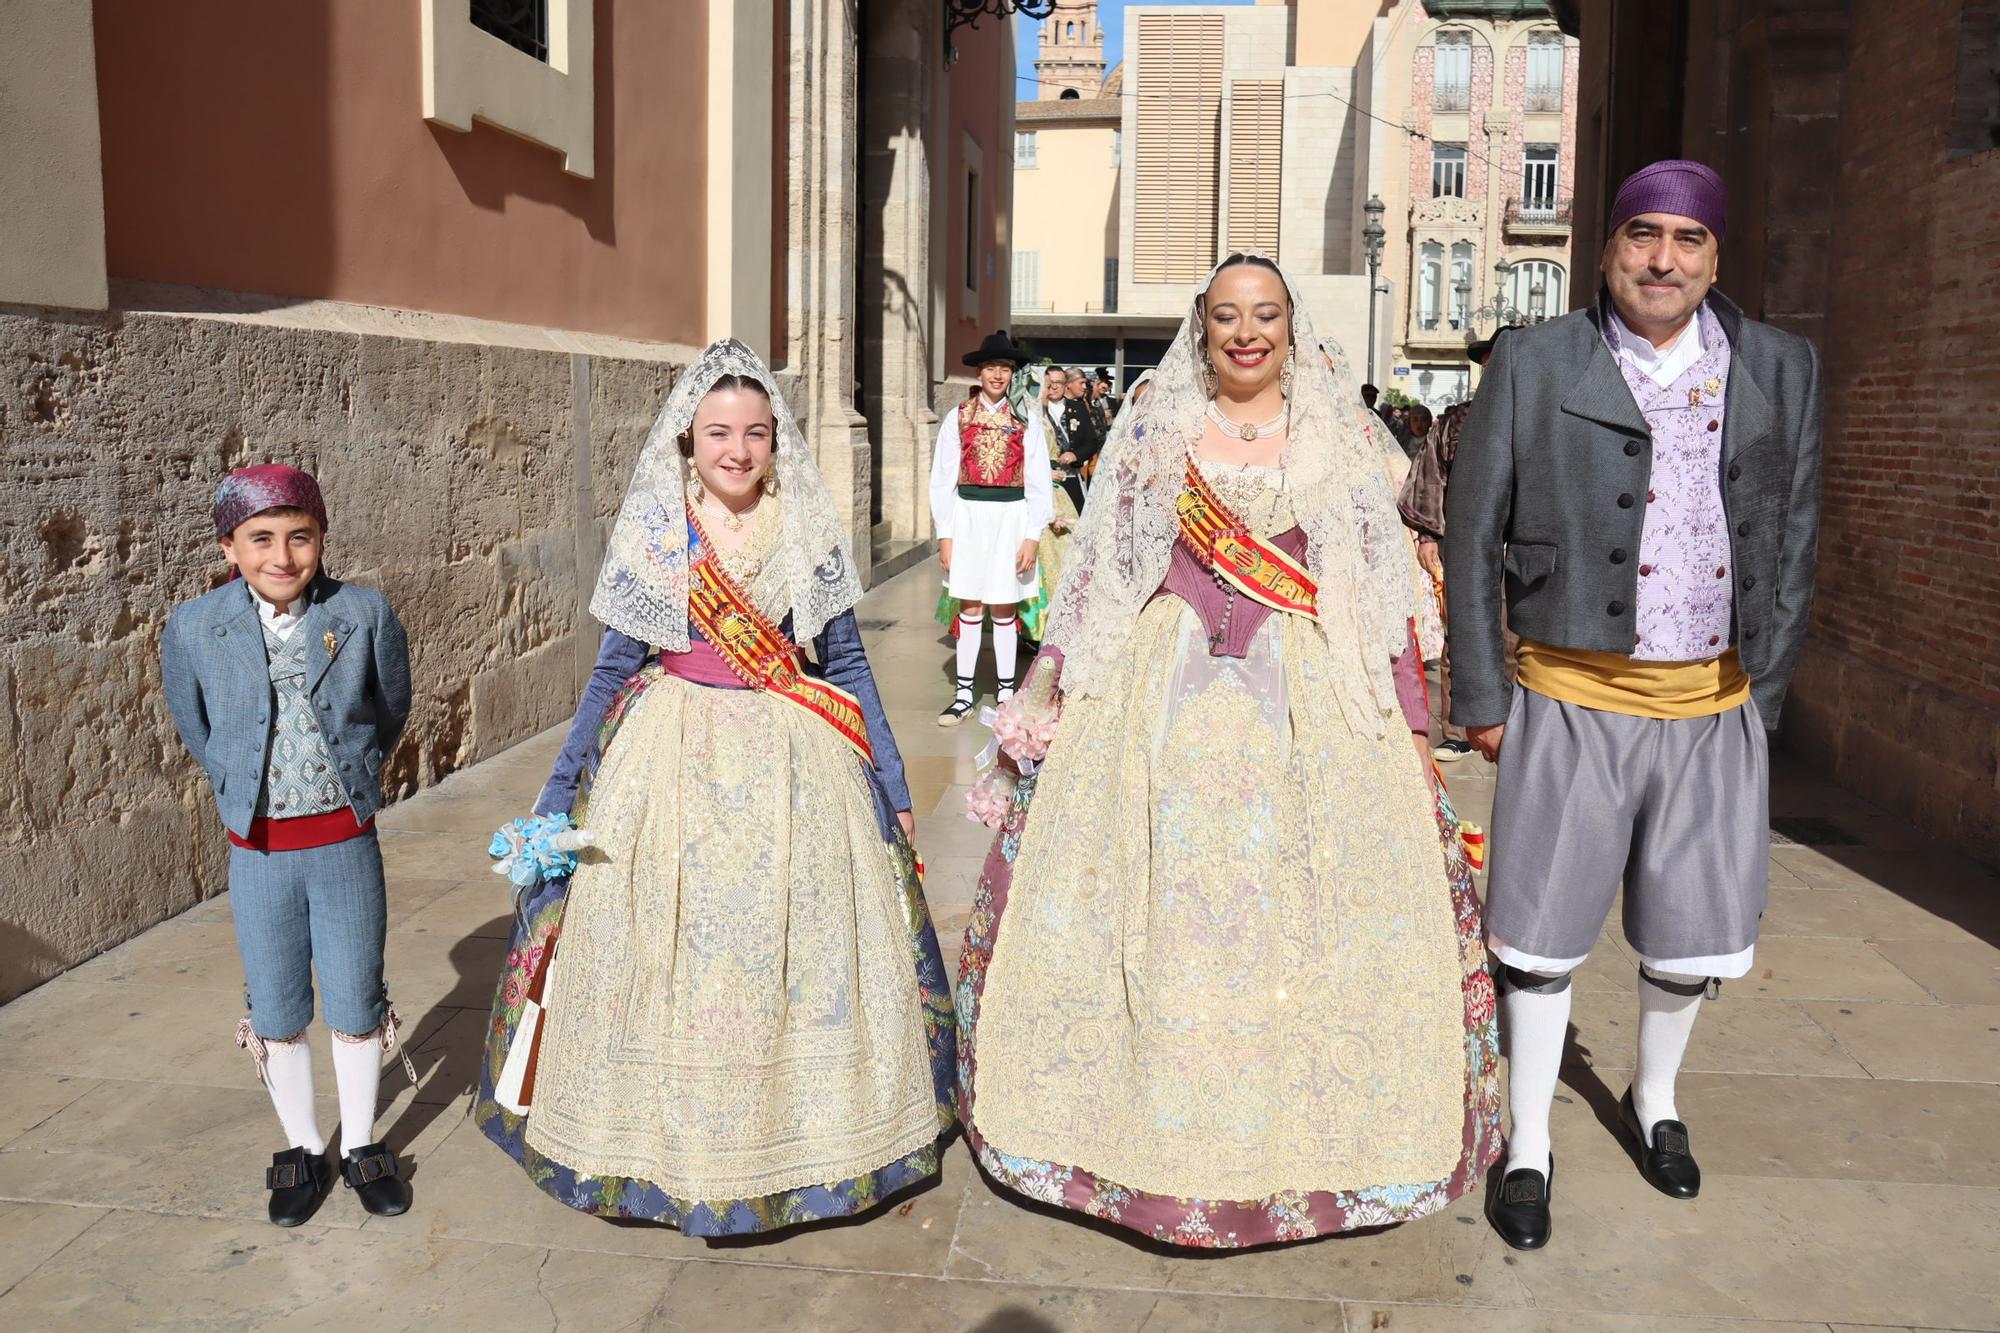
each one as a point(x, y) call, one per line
point(1481, 215)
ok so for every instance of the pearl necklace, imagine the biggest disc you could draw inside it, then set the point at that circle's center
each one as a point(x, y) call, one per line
point(1243, 430)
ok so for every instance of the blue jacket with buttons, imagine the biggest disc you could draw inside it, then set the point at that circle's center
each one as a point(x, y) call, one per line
point(218, 684)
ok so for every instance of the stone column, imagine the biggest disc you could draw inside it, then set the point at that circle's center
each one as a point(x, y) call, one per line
point(903, 80)
point(822, 181)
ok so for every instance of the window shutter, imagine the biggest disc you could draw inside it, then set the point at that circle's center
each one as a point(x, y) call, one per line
point(1027, 279)
point(1256, 143)
point(1176, 164)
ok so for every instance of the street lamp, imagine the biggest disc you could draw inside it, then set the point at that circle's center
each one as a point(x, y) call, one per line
point(1372, 236)
point(1463, 289)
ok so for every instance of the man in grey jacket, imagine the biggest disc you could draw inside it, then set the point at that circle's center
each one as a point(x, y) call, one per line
point(1639, 482)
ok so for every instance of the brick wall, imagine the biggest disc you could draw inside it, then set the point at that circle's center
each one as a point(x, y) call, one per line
point(1900, 689)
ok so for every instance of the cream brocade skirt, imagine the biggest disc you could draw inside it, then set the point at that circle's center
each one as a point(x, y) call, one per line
point(1229, 964)
point(732, 1012)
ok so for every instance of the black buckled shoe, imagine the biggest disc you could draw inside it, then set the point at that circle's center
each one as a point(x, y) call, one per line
point(297, 1180)
point(1519, 1207)
point(370, 1171)
point(1665, 1162)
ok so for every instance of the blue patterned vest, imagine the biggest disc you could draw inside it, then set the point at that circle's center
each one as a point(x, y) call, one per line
point(298, 774)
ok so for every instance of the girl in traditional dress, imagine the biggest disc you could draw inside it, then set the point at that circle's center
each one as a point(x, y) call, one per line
point(745, 1022)
point(1237, 994)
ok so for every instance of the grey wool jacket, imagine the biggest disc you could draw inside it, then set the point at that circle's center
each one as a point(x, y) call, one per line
point(217, 681)
point(1548, 484)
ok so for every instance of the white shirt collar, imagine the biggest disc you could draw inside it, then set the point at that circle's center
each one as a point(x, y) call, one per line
point(280, 623)
point(992, 404)
point(1661, 365)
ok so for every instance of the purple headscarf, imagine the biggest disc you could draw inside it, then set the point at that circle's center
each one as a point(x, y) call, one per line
point(249, 491)
point(1685, 189)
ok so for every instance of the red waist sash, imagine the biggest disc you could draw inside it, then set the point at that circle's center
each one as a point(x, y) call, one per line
point(302, 833)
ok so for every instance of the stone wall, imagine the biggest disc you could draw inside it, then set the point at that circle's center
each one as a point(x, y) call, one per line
point(454, 474)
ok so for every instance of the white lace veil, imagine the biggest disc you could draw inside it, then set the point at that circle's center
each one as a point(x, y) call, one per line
point(1356, 551)
point(642, 589)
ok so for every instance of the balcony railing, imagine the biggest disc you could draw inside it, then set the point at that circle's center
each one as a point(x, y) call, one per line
point(1540, 214)
point(1453, 97)
point(1540, 98)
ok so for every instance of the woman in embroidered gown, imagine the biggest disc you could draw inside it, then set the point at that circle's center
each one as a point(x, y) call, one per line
point(746, 1021)
point(1237, 994)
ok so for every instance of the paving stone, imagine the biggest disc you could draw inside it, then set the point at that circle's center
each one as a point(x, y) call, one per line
point(135, 1270)
point(31, 1233)
point(1959, 971)
point(1954, 1042)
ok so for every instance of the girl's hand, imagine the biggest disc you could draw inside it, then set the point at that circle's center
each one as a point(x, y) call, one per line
point(909, 823)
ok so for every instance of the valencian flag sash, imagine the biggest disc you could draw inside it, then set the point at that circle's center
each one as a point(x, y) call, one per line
point(1252, 566)
point(758, 651)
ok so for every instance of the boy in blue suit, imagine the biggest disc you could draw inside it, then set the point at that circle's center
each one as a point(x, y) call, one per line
point(289, 688)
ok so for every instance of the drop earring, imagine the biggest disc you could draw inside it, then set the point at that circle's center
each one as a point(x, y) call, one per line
point(1209, 379)
point(1285, 374)
point(770, 482)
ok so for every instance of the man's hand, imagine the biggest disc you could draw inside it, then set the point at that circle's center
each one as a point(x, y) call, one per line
point(944, 553)
point(1066, 458)
point(1427, 556)
point(1024, 559)
point(1486, 740)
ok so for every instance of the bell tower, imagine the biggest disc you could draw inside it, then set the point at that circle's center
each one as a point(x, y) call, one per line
point(1069, 61)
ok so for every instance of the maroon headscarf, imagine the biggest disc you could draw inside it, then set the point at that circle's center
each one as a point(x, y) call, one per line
point(250, 491)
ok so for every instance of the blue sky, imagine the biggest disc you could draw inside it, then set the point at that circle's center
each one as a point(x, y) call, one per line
point(1111, 13)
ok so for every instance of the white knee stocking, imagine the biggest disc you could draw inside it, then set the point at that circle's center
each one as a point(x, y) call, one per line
point(1006, 648)
point(970, 630)
point(1665, 1021)
point(357, 1070)
point(288, 1072)
point(1536, 1025)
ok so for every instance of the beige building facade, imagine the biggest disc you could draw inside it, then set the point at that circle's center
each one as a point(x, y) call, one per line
point(1244, 129)
point(453, 267)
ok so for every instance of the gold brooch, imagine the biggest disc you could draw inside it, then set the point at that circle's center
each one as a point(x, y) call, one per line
point(332, 645)
point(1712, 385)
point(1694, 397)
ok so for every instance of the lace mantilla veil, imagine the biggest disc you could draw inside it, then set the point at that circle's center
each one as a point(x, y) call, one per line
point(642, 589)
point(1334, 478)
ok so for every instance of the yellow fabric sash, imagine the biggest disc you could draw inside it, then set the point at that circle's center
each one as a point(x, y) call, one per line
point(1225, 544)
point(1614, 683)
point(759, 652)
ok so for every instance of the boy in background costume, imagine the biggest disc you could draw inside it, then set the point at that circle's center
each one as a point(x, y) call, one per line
point(990, 501)
point(289, 689)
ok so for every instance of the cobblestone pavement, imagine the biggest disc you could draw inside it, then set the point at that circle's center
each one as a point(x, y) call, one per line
point(1844, 1101)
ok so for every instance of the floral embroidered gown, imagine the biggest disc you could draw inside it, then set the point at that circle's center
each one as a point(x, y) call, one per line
point(1235, 993)
point(749, 1022)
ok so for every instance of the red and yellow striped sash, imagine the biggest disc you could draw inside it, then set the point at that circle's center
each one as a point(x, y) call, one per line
point(1225, 544)
point(758, 651)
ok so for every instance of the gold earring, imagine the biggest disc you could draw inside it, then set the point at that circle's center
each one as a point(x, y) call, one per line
point(1210, 380)
point(1285, 375)
point(771, 481)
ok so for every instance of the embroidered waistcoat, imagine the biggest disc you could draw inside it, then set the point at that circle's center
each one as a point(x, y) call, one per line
point(1684, 605)
point(990, 445)
point(298, 772)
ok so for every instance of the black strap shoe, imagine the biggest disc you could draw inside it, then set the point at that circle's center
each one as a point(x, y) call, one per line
point(1665, 1161)
point(370, 1171)
point(297, 1180)
point(1519, 1207)
point(961, 704)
